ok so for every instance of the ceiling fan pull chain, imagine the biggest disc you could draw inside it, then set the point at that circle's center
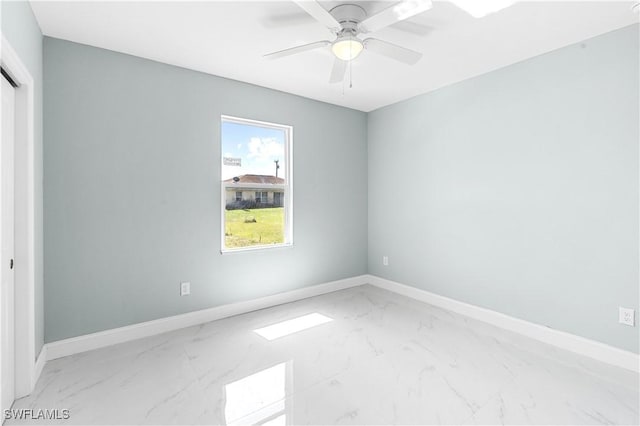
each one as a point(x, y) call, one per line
point(350, 75)
point(350, 66)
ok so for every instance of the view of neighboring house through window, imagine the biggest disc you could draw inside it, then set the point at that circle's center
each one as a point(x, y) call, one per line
point(256, 184)
point(262, 197)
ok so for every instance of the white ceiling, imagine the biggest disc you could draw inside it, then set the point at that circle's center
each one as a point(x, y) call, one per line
point(228, 39)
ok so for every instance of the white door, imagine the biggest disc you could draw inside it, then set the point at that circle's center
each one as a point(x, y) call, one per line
point(7, 351)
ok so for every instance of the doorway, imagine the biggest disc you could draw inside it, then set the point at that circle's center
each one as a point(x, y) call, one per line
point(18, 257)
point(7, 226)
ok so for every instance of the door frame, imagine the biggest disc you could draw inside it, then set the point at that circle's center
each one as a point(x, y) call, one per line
point(24, 217)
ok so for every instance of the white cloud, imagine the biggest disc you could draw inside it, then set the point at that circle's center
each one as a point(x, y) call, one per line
point(265, 149)
point(258, 158)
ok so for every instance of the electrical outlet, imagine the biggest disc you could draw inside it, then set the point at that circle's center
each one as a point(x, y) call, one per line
point(185, 289)
point(626, 316)
point(385, 260)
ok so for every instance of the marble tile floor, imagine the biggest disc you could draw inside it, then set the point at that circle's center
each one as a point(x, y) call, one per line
point(382, 359)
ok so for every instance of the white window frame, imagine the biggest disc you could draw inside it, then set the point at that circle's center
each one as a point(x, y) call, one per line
point(287, 188)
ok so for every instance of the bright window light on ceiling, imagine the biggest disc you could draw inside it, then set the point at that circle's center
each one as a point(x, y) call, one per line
point(481, 8)
point(291, 326)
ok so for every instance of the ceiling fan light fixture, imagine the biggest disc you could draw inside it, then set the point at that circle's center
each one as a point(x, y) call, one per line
point(347, 48)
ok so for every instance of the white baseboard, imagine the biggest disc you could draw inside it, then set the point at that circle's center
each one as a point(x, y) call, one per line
point(35, 369)
point(561, 339)
point(40, 361)
point(570, 342)
point(114, 336)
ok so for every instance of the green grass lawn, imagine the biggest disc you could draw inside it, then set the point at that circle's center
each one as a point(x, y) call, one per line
point(241, 231)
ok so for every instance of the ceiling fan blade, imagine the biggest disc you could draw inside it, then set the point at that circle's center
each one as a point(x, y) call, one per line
point(297, 49)
point(392, 51)
point(398, 12)
point(338, 70)
point(319, 13)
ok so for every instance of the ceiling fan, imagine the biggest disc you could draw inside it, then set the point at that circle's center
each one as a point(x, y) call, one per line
point(347, 22)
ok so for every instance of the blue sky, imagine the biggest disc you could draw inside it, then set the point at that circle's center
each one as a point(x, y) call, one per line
point(258, 147)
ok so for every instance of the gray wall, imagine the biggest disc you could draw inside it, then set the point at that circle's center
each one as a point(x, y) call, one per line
point(20, 28)
point(518, 190)
point(132, 201)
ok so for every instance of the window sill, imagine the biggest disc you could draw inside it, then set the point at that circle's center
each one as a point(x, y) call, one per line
point(256, 248)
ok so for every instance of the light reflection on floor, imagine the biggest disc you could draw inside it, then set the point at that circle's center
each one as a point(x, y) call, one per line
point(291, 326)
point(260, 398)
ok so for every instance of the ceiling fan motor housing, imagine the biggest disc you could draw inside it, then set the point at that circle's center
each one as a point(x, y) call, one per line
point(348, 15)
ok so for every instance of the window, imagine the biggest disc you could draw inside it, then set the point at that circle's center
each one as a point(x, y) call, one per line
point(256, 184)
point(262, 197)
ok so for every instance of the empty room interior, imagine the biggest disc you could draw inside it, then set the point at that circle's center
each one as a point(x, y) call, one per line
point(320, 212)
